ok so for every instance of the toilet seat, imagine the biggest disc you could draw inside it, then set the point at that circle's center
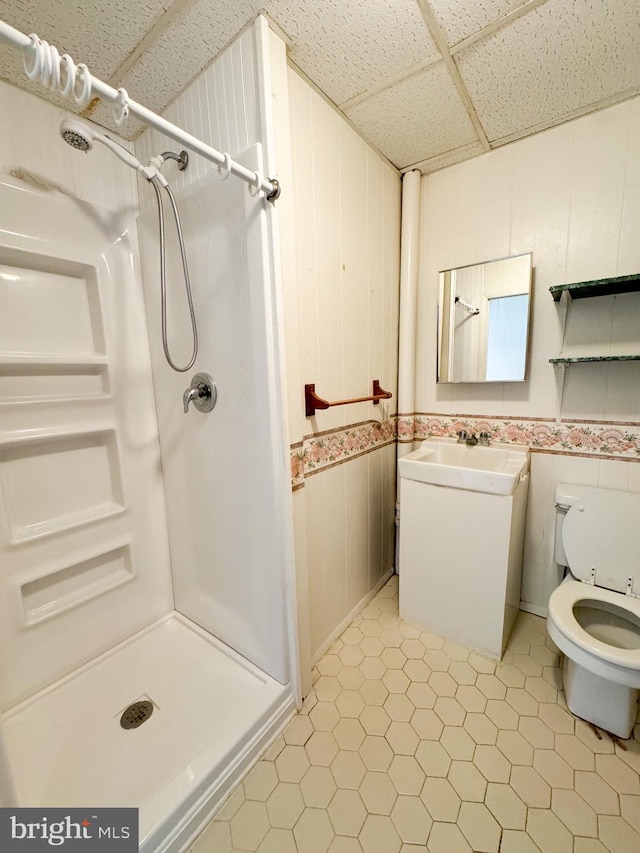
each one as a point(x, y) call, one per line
point(561, 604)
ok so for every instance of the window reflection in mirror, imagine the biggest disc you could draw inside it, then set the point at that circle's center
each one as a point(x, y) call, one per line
point(483, 321)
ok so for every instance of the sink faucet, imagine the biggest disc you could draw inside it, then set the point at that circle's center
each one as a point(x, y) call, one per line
point(468, 438)
point(485, 438)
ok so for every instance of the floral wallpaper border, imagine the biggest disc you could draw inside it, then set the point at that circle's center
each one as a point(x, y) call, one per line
point(620, 441)
point(324, 450)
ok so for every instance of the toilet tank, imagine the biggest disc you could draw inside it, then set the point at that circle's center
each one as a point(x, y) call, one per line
point(566, 495)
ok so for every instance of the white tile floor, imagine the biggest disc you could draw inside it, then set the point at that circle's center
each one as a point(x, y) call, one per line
point(412, 743)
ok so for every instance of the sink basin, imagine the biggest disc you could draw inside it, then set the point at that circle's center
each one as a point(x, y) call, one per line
point(493, 469)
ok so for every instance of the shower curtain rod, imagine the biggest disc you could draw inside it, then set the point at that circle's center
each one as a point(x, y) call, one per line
point(50, 68)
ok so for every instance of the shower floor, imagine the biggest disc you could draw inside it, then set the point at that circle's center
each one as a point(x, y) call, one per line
point(211, 709)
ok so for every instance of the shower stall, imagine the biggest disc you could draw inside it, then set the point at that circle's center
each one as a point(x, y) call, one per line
point(147, 608)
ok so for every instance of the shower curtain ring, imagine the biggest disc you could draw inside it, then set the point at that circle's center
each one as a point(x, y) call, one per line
point(121, 107)
point(37, 54)
point(256, 185)
point(83, 73)
point(45, 72)
point(225, 170)
point(70, 82)
point(53, 80)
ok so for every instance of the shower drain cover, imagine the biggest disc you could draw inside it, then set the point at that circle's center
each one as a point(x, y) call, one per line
point(136, 714)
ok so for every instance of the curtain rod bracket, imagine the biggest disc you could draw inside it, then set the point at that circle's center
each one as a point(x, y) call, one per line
point(274, 195)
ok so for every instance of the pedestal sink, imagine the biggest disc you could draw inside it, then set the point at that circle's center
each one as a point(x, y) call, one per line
point(461, 537)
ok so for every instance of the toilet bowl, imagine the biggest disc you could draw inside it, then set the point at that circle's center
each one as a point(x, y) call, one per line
point(594, 614)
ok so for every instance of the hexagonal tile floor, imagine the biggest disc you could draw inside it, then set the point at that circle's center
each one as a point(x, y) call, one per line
point(410, 743)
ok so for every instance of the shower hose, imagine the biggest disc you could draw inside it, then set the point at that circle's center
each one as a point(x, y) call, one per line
point(163, 277)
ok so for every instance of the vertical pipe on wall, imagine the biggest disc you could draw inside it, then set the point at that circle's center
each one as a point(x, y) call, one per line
point(409, 255)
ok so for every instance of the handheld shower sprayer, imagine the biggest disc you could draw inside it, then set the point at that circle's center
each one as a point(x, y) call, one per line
point(81, 137)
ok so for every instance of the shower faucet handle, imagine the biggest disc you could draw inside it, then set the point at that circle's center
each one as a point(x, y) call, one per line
point(191, 394)
point(202, 393)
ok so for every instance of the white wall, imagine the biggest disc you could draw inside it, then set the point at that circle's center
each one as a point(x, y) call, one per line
point(341, 291)
point(571, 196)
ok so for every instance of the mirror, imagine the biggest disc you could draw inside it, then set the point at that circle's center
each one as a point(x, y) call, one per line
point(483, 321)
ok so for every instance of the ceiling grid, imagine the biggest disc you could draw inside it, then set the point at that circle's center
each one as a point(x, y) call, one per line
point(428, 82)
point(452, 68)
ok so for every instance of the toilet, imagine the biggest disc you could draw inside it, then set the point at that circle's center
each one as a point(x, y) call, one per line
point(594, 614)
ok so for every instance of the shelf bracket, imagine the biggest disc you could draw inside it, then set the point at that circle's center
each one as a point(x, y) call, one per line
point(565, 307)
point(561, 378)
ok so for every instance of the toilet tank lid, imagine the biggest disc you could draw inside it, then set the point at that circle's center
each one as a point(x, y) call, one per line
point(568, 493)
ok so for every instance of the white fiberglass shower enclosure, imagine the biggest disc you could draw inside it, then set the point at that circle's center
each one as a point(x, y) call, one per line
point(145, 553)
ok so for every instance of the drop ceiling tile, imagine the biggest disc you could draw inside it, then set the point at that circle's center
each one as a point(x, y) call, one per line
point(351, 46)
point(460, 19)
point(552, 62)
point(417, 119)
point(188, 44)
point(100, 34)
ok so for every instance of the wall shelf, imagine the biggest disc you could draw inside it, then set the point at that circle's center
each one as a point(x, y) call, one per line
point(562, 365)
point(586, 358)
point(597, 287)
point(564, 294)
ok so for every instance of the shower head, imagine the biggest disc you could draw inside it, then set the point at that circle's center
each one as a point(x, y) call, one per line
point(77, 135)
point(81, 137)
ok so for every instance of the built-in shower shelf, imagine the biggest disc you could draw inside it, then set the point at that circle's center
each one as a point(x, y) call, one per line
point(61, 590)
point(97, 513)
point(52, 377)
point(597, 287)
point(61, 362)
